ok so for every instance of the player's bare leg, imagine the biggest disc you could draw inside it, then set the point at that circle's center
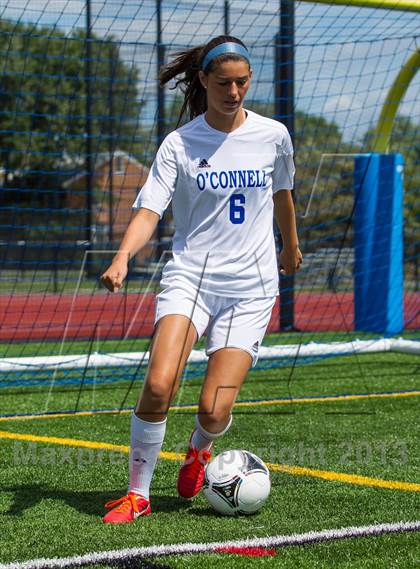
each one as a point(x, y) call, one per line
point(226, 372)
point(172, 343)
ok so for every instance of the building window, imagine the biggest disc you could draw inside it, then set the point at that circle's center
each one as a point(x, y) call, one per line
point(119, 165)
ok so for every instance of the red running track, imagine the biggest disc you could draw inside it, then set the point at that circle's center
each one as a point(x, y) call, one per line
point(37, 317)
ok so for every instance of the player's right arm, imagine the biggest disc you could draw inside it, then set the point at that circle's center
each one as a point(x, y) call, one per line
point(139, 232)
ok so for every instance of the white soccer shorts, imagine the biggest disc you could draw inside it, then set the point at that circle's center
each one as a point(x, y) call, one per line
point(230, 322)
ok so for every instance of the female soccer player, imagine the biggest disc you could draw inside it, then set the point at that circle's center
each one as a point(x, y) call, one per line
point(225, 172)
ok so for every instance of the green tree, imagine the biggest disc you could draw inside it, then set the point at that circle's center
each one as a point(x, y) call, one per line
point(405, 139)
point(43, 102)
point(324, 188)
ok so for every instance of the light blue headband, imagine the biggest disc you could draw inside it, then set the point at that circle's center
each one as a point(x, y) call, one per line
point(221, 49)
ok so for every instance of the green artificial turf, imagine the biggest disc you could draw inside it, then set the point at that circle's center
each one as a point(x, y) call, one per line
point(53, 496)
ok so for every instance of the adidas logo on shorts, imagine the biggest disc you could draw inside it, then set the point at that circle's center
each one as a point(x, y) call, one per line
point(204, 164)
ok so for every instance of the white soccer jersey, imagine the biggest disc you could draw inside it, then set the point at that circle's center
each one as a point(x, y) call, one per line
point(221, 186)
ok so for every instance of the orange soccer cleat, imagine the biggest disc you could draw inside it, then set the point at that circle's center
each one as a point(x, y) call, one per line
point(191, 474)
point(126, 509)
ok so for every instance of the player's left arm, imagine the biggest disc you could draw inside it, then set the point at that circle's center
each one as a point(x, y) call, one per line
point(284, 214)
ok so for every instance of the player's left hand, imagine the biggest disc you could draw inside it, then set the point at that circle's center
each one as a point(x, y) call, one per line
point(290, 260)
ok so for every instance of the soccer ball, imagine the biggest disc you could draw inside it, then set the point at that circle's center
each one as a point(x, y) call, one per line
point(236, 482)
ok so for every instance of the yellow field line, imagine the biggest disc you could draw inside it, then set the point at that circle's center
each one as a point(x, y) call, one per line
point(58, 415)
point(326, 399)
point(343, 477)
point(294, 470)
point(193, 407)
point(62, 441)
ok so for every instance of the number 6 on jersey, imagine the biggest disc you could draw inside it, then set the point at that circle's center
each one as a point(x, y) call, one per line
point(237, 212)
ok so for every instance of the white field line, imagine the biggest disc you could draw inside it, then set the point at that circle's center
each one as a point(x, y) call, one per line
point(189, 548)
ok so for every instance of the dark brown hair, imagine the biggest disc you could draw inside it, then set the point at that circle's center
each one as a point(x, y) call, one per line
point(186, 65)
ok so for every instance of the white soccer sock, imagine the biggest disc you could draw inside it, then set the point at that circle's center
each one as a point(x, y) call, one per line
point(202, 439)
point(146, 442)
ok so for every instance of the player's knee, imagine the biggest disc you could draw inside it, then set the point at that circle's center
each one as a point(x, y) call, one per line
point(159, 388)
point(215, 418)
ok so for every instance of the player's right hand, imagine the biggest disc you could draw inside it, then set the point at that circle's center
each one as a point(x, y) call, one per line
point(114, 276)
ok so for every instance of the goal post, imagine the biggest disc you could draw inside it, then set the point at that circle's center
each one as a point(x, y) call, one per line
point(285, 109)
point(403, 5)
point(399, 87)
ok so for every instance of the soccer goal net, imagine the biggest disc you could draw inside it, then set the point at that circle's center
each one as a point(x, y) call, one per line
point(81, 118)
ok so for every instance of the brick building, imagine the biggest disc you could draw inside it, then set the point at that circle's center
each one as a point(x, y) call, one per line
point(116, 182)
